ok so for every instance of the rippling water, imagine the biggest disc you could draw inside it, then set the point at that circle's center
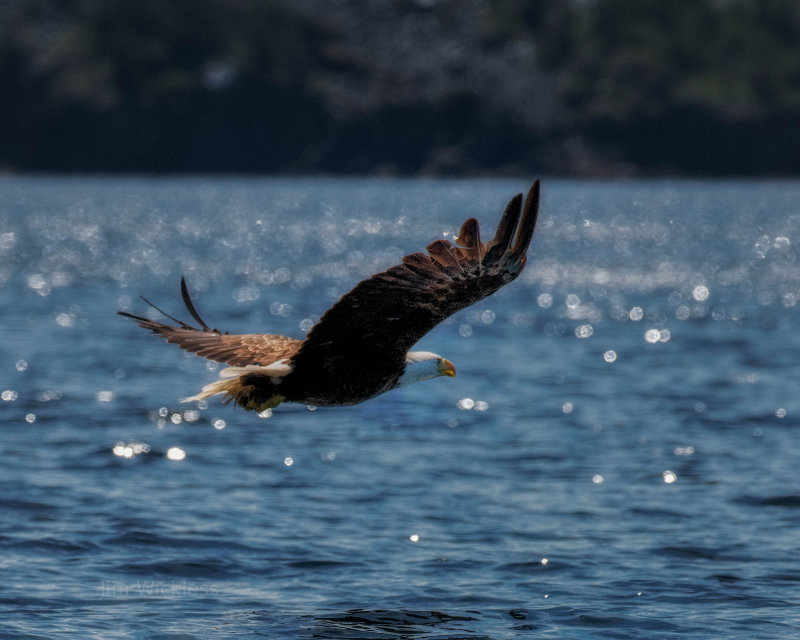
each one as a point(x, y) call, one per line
point(617, 458)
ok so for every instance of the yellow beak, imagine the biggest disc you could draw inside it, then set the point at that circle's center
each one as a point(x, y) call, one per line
point(446, 368)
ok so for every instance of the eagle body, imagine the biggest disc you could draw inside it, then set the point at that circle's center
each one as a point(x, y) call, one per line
point(338, 379)
point(361, 346)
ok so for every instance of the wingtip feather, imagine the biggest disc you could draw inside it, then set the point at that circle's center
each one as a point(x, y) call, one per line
point(530, 213)
point(190, 306)
point(508, 223)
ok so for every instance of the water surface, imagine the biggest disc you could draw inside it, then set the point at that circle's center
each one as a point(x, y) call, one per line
point(617, 457)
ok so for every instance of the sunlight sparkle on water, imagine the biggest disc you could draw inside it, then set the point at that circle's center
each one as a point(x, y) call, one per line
point(288, 461)
point(700, 293)
point(545, 300)
point(246, 294)
point(598, 479)
point(781, 243)
point(669, 476)
point(218, 424)
point(65, 319)
point(9, 395)
point(610, 356)
point(468, 404)
point(657, 335)
point(414, 537)
point(282, 309)
point(30, 418)
point(176, 453)
point(37, 282)
point(130, 449)
point(21, 365)
point(584, 331)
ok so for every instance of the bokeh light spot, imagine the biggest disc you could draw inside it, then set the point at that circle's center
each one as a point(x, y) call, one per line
point(176, 453)
point(545, 300)
point(700, 293)
point(584, 331)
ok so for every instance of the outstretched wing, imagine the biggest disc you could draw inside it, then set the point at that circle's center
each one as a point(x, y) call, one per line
point(235, 350)
point(390, 311)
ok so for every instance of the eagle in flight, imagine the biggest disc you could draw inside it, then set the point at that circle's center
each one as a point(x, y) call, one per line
point(360, 347)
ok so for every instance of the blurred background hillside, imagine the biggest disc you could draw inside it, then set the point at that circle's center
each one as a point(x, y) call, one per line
point(581, 87)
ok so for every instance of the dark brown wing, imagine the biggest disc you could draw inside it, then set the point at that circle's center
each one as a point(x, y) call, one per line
point(235, 350)
point(390, 311)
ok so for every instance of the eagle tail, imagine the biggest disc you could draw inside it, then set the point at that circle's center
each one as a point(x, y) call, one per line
point(251, 387)
point(230, 387)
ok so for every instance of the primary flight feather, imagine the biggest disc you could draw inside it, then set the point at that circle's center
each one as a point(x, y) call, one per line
point(360, 348)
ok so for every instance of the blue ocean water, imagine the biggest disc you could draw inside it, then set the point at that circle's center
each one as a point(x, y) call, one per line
point(617, 457)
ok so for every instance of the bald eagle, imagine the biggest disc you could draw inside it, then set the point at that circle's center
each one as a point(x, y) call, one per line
point(360, 348)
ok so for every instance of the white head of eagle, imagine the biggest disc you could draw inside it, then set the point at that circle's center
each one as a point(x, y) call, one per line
point(424, 365)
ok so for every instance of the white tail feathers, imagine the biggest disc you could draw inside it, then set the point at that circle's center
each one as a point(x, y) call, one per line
point(230, 387)
point(231, 382)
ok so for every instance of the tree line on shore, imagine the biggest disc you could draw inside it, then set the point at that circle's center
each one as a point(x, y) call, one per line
point(598, 87)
